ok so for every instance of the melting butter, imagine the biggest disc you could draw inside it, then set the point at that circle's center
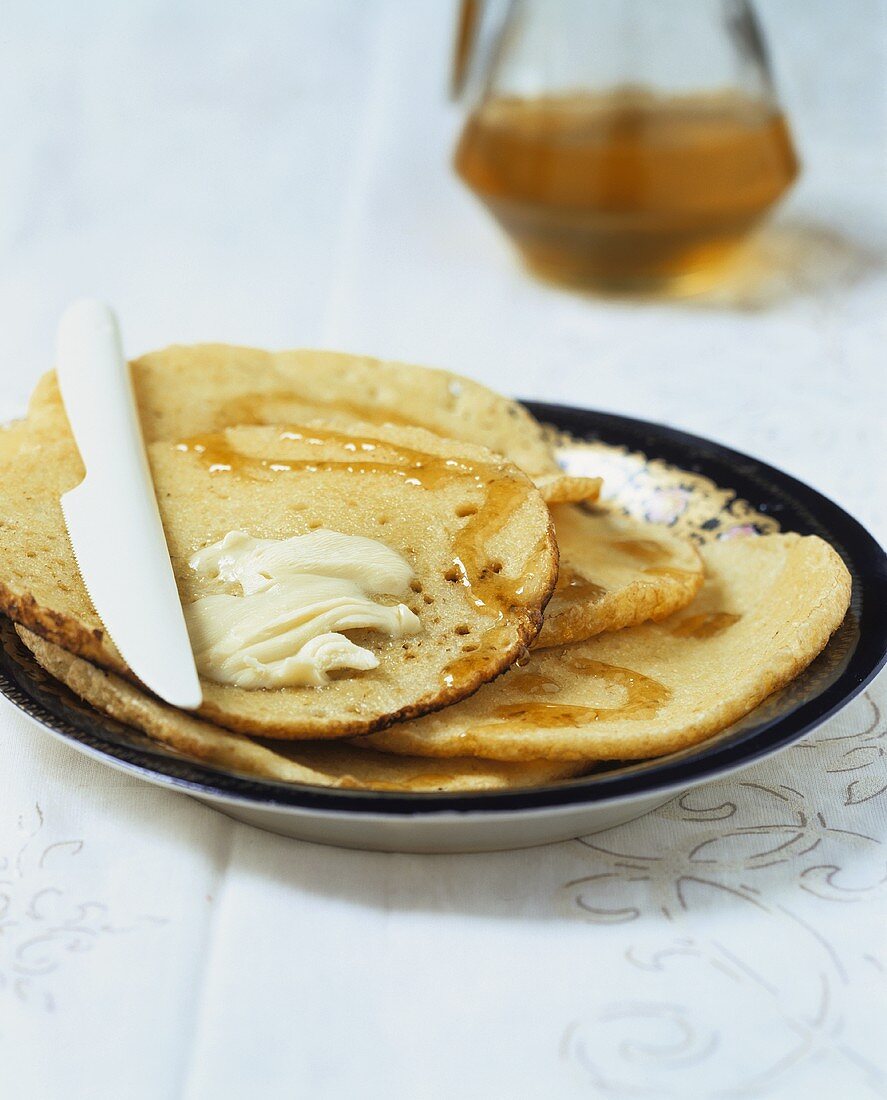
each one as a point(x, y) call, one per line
point(278, 616)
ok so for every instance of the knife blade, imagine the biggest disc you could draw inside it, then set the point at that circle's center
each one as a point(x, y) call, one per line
point(112, 515)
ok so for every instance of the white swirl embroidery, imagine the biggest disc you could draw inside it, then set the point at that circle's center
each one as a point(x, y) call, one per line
point(720, 892)
point(42, 920)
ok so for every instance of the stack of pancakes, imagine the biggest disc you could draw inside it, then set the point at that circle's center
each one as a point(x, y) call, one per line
point(556, 632)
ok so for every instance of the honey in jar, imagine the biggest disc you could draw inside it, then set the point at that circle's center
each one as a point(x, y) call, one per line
point(627, 190)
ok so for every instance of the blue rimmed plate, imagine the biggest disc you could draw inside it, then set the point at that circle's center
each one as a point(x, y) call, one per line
point(697, 487)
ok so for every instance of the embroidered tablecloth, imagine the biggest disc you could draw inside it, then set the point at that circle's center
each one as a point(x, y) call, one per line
point(277, 174)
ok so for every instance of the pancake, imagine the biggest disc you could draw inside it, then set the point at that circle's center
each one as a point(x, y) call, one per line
point(768, 607)
point(473, 527)
point(566, 489)
point(187, 391)
point(327, 764)
point(13, 436)
point(615, 572)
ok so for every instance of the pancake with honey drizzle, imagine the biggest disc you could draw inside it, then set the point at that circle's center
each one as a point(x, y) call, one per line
point(768, 607)
point(615, 571)
point(187, 391)
point(325, 764)
point(473, 527)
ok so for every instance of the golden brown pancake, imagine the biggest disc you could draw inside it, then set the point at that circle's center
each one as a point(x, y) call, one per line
point(324, 764)
point(615, 571)
point(768, 607)
point(566, 489)
point(187, 391)
point(473, 527)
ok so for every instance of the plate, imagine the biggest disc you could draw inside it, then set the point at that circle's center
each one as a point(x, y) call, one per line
point(697, 487)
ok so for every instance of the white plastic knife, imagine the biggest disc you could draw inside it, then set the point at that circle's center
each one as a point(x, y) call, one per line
point(112, 515)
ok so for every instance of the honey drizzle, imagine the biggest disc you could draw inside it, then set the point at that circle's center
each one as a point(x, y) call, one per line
point(533, 683)
point(489, 591)
point(572, 585)
point(416, 467)
point(644, 698)
point(647, 550)
point(496, 639)
point(706, 625)
point(670, 571)
point(257, 408)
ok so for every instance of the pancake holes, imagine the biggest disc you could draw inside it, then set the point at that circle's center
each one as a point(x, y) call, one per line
point(452, 574)
point(428, 599)
point(463, 628)
point(382, 520)
point(469, 648)
point(415, 586)
point(496, 566)
point(466, 510)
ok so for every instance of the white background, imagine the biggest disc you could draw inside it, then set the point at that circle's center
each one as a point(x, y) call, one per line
point(277, 174)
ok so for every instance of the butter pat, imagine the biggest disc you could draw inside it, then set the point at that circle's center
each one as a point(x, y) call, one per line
point(278, 616)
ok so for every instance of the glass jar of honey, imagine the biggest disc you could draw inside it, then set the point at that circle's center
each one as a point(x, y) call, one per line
point(624, 145)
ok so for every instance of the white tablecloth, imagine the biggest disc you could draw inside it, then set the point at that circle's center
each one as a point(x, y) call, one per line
point(277, 174)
